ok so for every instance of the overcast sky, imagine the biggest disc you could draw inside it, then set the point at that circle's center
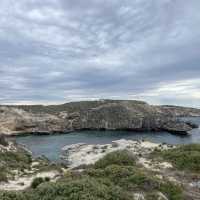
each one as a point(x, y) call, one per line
point(55, 51)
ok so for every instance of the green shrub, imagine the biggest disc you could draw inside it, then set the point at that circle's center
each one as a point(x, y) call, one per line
point(143, 182)
point(84, 189)
point(115, 173)
point(36, 182)
point(127, 177)
point(12, 196)
point(114, 177)
point(116, 158)
point(169, 190)
point(16, 160)
point(13, 160)
point(185, 157)
point(3, 174)
point(46, 179)
point(172, 191)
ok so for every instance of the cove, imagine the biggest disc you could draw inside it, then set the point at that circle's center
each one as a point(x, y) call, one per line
point(50, 145)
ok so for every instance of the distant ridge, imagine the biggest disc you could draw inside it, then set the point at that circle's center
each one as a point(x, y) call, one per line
point(93, 115)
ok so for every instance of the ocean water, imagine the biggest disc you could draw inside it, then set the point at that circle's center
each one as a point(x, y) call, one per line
point(51, 145)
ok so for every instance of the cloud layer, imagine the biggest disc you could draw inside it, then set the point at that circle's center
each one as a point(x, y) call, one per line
point(54, 51)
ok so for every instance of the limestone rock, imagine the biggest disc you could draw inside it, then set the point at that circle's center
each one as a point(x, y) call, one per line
point(80, 154)
point(89, 115)
point(178, 128)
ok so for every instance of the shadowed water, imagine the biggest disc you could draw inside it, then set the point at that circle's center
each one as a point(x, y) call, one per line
point(50, 145)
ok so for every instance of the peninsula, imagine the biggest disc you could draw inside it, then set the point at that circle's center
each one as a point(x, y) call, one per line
point(94, 115)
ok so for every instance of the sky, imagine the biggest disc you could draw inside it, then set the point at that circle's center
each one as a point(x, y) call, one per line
point(56, 51)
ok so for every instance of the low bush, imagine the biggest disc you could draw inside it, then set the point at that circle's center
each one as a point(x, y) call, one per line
point(127, 177)
point(84, 189)
point(15, 160)
point(114, 177)
point(172, 191)
point(9, 161)
point(116, 158)
point(39, 180)
point(12, 196)
point(185, 157)
point(3, 174)
point(36, 182)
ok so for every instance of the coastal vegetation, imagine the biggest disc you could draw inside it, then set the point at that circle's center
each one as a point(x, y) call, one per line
point(131, 173)
point(11, 161)
point(39, 180)
point(184, 157)
point(116, 176)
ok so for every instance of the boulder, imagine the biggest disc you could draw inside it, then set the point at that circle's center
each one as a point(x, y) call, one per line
point(177, 127)
point(3, 140)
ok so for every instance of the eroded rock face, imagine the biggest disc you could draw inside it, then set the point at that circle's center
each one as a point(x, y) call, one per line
point(15, 121)
point(178, 111)
point(94, 115)
point(177, 128)
point(3, 140)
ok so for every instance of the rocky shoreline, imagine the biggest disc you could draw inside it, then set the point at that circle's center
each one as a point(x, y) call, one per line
point(93, 115)
point(81, 157)
point(18, 168)
point(89, 169)
point(77, 155)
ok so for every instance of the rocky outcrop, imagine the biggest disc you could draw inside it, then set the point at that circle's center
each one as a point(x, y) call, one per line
point(178, 128)
point(77, 155)
point(178, 111)
point(3, 140)
point(94, 115)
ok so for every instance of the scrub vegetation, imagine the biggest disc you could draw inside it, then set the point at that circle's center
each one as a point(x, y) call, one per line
point(185, 157)
point(9, 161)
point(114, 177)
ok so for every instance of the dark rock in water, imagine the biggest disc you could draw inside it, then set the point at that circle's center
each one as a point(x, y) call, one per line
point(191, 124)
point(177, 127)
point(88, 115)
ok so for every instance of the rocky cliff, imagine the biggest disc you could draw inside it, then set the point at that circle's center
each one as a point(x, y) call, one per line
point(89, 115)
point(178, 111)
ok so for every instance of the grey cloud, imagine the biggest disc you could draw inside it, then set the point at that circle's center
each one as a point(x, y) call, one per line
point(61, 50)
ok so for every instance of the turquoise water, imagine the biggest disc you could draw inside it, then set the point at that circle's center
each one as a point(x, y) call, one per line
point(50, 145)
